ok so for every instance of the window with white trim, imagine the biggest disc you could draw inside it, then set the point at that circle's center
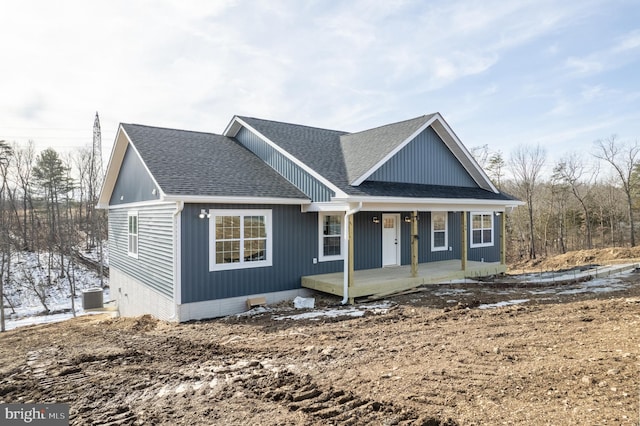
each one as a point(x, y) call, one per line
point(239, 239)
point(330, 237)
point(481, 229)
point(132, 234)
point(439, 231)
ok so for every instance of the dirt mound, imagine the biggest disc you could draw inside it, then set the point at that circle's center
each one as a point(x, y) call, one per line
point(579, 258)
point(143, 323)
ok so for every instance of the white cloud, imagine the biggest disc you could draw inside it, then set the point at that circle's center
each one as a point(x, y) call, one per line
point(629, 41)
point(588, 65)
point(347, 65)
point(590, 92)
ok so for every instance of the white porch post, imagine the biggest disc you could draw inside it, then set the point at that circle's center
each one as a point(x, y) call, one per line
point(351, 257)
point(347, 270)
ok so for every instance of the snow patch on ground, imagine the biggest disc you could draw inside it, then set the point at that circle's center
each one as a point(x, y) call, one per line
point(503, 304)
point(351, 311)
point(26, 309)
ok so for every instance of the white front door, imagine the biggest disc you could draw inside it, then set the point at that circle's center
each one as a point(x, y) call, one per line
point(390, 239)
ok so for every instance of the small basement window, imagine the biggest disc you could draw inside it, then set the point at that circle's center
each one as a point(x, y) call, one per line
point(239, 239)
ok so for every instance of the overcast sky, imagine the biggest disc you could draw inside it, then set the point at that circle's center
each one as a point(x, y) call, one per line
point(561, 74)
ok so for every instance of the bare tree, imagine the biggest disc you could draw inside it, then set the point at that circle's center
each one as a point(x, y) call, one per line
point(526, 164)
point(480, 154)
point(5, 232)
point(581, 179)
point(495, 168)
point(623, 157)
point(24, 162)
point(34, 283)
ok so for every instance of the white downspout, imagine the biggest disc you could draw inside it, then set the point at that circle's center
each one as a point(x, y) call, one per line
point(345, 283)
point(176, 259)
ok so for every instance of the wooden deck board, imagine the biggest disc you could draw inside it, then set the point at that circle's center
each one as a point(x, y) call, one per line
point(388, 280)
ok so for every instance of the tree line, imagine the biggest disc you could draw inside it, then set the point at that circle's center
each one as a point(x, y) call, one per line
point(47, 206)
point(583, 200)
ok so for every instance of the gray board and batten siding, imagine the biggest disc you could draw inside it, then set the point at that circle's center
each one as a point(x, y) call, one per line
point(306, 183)
point(295, 245)
point(134, 184)
point(154, 265)
point(368, 240)
point(424, 160)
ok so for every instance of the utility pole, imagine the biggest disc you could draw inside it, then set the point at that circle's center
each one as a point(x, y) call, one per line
point(95, 183)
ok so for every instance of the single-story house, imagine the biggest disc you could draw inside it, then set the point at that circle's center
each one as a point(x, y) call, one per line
point(201, 222)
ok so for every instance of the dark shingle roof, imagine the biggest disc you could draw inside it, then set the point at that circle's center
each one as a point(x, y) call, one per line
point(342, 157)
point(206, 164)
point(412, 190)
point(363, 150)
point(318, 148)
point(339, 156)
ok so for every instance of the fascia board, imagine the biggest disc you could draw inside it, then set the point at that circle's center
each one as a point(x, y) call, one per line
point(140, 204)
point(427, 208)
point(232, 128)
point(393, 152)
point(434, 206)
point(113, 167)
point(395, 201)
point(234, 200)
point(327, 207)
point(299, 163)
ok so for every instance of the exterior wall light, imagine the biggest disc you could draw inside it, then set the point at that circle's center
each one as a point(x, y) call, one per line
point(203, 214)
point(376, 219)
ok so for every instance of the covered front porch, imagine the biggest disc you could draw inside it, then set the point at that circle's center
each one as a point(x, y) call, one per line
point(389, 280)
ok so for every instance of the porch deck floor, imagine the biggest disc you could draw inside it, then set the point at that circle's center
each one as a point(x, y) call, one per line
point(388, 280)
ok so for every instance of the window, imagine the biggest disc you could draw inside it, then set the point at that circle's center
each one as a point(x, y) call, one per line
point(132, 234)
point(239, 239)
point(439, 234)
point(330, 237)
point(481, 229)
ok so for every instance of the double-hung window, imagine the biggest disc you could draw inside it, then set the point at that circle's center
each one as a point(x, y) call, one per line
point(481, 229)
point(439, 231)
point(239, 239)
point(132, 234)
point(330, 237)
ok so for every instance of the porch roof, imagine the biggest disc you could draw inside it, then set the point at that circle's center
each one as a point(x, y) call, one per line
point(414, 190)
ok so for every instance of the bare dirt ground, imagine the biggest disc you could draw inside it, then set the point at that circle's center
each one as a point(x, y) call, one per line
point(434, 357)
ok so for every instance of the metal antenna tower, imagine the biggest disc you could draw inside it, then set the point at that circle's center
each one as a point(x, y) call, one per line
point(95, 183)
point(96, 151)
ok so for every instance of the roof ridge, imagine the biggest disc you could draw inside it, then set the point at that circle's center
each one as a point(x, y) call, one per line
point(293, 124)
point(171, 128)
point(392, 124)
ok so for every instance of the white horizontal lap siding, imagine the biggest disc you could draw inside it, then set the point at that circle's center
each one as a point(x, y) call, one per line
point(154, 265)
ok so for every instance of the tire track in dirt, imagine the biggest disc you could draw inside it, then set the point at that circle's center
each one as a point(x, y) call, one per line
point(319, 405)
point(99, 388)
